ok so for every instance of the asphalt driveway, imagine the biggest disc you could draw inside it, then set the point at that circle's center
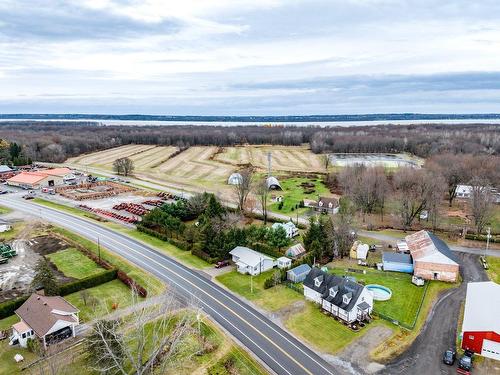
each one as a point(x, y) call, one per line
point(425, 354)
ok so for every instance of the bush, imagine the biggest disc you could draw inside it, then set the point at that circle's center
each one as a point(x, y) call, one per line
point(88, 282)
point(280, 205)
point(7, 308)
point(132, 284)
point(269, 283)
point(481, 237)
point(203, 255)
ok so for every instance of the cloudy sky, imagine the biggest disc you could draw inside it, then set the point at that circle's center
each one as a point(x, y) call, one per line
point(259, 57)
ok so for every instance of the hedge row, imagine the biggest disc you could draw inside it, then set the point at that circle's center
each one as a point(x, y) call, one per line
point(88, 282)
point(177, 243)
point(481, 237)
point(132, 284)
point(203, 255)
point(7, 308)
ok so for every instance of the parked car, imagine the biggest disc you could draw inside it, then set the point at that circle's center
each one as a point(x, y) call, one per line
point(4, 191)
point(222, 263)
point(465, 362)
point(28, 196)
point(449, 357)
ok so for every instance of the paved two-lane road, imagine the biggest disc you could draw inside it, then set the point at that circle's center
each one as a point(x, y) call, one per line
point(280, 351)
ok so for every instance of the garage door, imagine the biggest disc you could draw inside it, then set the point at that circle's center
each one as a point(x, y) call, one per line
point(491, 349)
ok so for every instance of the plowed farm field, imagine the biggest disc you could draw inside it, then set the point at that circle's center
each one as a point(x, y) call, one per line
point(201, 168)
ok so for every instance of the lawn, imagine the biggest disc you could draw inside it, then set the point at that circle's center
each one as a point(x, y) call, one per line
point(104, 295)
point(271, 299)
point(293, 193)
point(13, 233)
point(7, 364)
point(403, 338)
point(406, 297)
point(494, 269)
point(74, 264)
point(4, 210)
point(151, 283)
point(182, 256)
point(321, 330)
point(6, 323)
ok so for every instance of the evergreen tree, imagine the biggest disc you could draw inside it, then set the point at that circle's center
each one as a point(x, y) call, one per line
point(44, 278)
point(277, 238)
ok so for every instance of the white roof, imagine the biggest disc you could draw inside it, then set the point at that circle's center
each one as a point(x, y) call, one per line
point(284, 225)
point(248, 256)
point(362, 251)
point(467, 189)
point(402, 246)
point(235, 179)
point(482, 305)
point(5, 168)
point(284, 260)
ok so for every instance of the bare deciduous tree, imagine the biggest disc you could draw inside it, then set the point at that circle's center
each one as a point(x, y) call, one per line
point(454, 170)
point(365, 186)
point(123, 166)
point(243, 187)
point(150, 341)
point(481, 203)
point(414, 190)
point(262, 192)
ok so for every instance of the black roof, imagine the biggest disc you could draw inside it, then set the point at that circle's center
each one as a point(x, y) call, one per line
point(345, 286)
point(442, 247)
point(396, 257)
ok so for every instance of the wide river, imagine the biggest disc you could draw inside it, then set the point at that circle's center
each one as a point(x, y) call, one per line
point(279, 123)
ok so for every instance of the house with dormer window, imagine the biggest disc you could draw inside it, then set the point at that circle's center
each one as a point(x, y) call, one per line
point(343, 298)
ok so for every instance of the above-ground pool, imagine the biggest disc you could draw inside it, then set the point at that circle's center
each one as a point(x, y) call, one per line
point(379, 292)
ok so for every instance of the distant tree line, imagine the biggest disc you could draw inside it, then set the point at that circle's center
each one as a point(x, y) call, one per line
point(53, 141)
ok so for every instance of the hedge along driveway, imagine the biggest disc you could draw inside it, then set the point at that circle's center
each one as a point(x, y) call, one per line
point(74, 264)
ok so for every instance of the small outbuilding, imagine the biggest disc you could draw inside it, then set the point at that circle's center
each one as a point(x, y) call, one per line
point(299, 273)
point(5, 172)
point(295, 251)
point(234, 179)
point(4, 226)
point(403, 247)
point(273, 183)
point(359, 251)
point(284, 262)
point(397, 262)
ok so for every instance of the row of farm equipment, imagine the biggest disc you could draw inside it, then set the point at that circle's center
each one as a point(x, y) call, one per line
point(110, 214)
point(6, 252)
point(133, 208)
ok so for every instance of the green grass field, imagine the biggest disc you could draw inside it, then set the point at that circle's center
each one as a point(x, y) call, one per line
point(293, 193)
point(183, 256)
point(7, 364)
point(151, 283)
point(4, 210)
point(494, 269)
point(321, 330)
point(406, 297)
point(13, 233)
point(271, 299)
point(105, 296)
point(74, 264)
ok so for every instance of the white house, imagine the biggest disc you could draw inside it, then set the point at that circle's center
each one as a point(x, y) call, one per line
point(343, 298)
point(4, 226)
point(463, 191)
point(49, 319)
point(290, 228)
point(251, 262)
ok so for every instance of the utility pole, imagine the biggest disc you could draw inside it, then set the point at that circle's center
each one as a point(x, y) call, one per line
point(98, 248)
point(488, 236)
point(251, 283)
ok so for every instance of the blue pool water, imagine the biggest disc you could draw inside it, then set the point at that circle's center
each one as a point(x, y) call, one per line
point(379, 292)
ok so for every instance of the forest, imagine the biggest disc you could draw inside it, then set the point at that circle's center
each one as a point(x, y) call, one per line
point(55, 141)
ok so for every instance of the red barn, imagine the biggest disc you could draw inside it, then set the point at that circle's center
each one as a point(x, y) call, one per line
point(481, 325)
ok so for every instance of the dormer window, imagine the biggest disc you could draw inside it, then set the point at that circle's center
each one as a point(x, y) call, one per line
point(346, 298)
point(333, 291)
point(320, 203)
point(330, 204)
point(318, 281)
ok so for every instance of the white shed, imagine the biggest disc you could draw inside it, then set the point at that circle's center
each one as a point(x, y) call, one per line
point(4, 226)
point(235, 179)
point(284, 262)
